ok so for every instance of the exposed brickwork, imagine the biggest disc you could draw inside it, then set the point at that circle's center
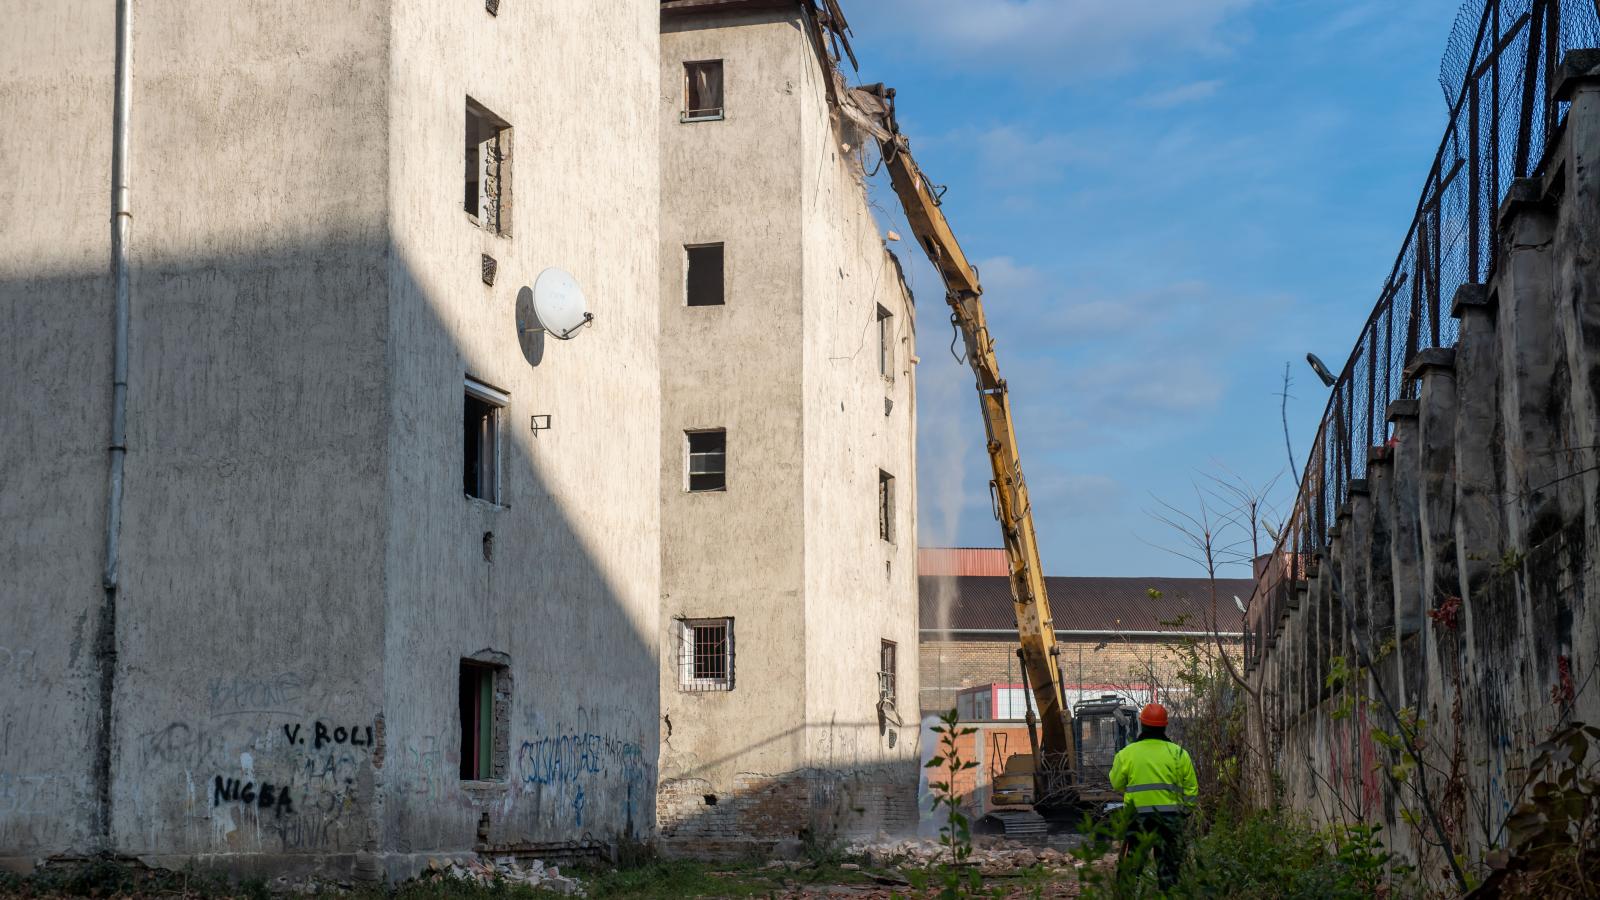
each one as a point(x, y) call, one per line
point(760, 810)
point(947, 667)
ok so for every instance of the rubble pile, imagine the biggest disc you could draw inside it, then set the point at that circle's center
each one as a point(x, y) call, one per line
point(504, 870)
point(992, 856)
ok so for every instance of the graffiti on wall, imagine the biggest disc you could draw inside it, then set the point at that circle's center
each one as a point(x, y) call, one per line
point(19, 666)
point(565, 767)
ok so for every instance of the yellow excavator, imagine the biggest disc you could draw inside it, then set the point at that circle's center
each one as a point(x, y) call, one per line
point(1067, 772)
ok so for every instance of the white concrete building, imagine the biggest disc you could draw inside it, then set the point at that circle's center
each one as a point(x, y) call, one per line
point(366, 613)
point(789, 604)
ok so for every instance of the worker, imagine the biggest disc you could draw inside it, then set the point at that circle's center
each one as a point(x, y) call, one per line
point(1158, 787)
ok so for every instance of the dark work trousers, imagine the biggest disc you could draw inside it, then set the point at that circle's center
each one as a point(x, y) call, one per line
point(1158, 835)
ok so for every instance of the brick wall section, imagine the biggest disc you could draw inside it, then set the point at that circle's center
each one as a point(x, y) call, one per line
point(763, 810)
point(947, 667)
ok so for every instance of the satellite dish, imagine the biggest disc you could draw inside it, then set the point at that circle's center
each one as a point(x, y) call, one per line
point(558, 306)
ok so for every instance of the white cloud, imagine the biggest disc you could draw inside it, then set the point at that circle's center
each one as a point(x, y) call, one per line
point(1183, 94)
point(1065, 39)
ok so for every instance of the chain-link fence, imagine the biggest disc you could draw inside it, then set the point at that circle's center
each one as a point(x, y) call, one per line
point(1496, 72)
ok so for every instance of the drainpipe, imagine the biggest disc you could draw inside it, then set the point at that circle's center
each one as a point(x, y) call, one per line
point(121, 220)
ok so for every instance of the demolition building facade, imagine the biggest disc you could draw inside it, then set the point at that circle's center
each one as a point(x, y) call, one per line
point(788, 620)
point(390, 579)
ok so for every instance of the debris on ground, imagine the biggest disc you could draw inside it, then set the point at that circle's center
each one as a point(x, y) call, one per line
point(991, 856)
point(504, 870)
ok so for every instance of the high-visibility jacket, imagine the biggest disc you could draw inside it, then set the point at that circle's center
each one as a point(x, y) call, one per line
point(1155, 776)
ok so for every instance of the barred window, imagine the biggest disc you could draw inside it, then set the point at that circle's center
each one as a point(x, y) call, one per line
point(705, 654)
point(887, 685)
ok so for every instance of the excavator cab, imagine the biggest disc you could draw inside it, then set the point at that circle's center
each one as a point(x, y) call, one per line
point(1100, 727)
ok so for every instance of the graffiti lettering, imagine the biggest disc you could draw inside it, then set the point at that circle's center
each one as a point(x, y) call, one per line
point(22, 665)
point(339, 735)
point(575, 765)
point(234, 790)
point(21, 794)
point(280, 692)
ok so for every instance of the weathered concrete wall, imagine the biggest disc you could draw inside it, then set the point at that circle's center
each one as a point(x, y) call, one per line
point(788, 366)
point(302, 574)
point(569, 601)
point(1463, 567)
point(54, 416)
point(861, 590)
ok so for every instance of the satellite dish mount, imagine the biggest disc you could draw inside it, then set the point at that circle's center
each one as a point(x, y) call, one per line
point(559, 307)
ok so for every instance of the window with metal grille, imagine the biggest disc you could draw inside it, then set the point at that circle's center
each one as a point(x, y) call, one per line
point(886, 671)
point(885, 343)
point(703, 280)
point(484, 696)
point(487, 195)
point(885, 506)
point(480, 452)
point(702, 94)
point(705, 654)
point(707, 459)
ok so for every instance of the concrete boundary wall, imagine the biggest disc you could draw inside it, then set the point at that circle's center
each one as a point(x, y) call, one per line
point(1459, 575)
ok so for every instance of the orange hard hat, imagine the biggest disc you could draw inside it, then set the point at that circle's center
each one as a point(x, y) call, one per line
point(1154, 715)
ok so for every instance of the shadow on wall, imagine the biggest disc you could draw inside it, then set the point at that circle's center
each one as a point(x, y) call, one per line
point(759, 812)
point(304, 575)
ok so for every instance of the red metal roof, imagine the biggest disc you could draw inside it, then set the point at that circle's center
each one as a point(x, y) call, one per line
point(961, 561)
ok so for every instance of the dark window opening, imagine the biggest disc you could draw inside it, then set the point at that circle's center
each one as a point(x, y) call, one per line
point(480, 452)
point(885, 506)
point(703, 284)
point(886, 671)
point(708, 460)
point(703, 90)
point(477, 721)
point(487, 192)
point(885, 343)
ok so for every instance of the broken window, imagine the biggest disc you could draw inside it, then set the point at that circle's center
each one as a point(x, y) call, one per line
point(480, 452)
point(885, 506)
point(702, 90)
point(705, 654)
point(484, 700)
point(488, 174)
point(885, 343)
point(703, 281)
point(708, 460)
point(886, 671)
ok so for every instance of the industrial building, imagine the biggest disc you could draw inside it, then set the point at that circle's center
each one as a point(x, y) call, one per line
point(1120, 637)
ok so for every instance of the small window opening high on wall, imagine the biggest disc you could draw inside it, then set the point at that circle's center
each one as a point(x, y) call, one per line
point(886, 343)
point(482, 409)
point(885, 506)
point(702, 93)
point(887, 686)
point(705, 654)
point(707, 460)
point(703, 280)
point(487, 195)
point(484, 701)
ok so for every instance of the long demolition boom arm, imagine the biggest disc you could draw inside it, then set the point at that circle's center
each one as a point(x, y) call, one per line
point(964, 293)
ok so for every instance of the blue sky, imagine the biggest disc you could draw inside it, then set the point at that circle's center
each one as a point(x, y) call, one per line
point(1168, 200)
